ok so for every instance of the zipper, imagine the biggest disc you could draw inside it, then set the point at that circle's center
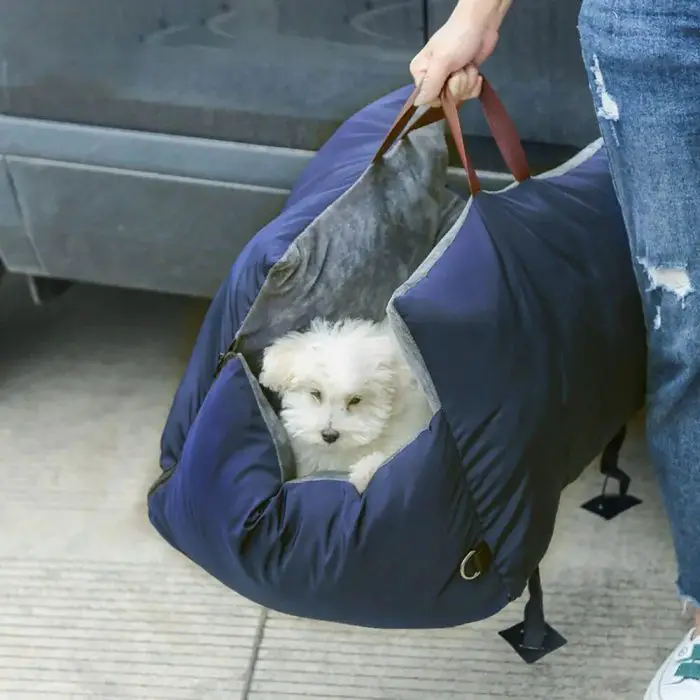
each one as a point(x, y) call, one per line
point(221, 361)
point(162, 479)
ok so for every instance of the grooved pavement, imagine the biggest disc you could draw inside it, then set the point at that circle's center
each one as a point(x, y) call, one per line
point(94, 605)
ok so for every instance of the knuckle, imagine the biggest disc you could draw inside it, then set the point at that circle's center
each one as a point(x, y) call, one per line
point(419, 61)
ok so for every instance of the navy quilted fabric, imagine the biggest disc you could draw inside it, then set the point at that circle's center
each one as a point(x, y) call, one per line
point(530, 327)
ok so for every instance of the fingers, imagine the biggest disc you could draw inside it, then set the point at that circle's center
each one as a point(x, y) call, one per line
point(432, 75)
point(465, 84)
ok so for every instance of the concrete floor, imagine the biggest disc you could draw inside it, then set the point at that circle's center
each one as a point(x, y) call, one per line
point(93, 604)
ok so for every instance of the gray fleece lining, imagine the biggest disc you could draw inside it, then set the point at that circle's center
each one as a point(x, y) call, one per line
point(351, 258)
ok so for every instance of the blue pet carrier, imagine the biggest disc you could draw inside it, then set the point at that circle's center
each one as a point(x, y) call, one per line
point(519, 314)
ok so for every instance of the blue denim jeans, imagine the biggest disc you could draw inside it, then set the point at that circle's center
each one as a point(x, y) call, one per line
point(643, 61)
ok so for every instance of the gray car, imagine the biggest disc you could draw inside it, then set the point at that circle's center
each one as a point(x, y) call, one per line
point(143, 142)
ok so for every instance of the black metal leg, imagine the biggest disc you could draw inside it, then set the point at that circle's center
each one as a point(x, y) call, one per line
point(533, 638)
point(610, 505)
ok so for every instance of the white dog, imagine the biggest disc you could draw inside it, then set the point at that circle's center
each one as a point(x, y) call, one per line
point(349, 399)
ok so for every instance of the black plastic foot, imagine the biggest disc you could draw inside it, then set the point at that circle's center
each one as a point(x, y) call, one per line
point(610, 505)
point(515, 636)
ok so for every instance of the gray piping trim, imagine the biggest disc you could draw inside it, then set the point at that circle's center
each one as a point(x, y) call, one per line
point(406, 342)
point(285, 458)
point(583, 155)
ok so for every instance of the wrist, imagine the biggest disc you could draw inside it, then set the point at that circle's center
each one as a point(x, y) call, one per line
point(488, 14)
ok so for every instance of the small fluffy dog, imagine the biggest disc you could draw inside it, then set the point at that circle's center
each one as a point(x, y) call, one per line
point(349, 399)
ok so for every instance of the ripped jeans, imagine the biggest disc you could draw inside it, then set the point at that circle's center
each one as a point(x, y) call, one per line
point(643, 61)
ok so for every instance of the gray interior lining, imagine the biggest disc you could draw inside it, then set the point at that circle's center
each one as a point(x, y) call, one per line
point(283, 448)
point(349, 260)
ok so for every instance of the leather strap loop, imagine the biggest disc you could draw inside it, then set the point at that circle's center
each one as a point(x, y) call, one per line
point(504, 133)
point(400, 123)
point(449, 109)
point(500, 124)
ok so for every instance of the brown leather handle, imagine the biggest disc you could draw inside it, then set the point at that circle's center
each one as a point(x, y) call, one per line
point(500, 124)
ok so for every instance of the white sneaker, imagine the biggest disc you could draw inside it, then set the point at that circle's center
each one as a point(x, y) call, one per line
point(679, 677)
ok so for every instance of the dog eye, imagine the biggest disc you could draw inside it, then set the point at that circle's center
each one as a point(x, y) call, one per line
point(316, 394)
point(354, 400)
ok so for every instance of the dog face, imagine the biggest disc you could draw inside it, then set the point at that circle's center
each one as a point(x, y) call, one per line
point(337, 382)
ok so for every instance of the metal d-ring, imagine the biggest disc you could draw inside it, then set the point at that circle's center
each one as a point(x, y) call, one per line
point(463, 565)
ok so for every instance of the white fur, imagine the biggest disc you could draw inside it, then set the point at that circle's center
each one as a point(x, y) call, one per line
point(320, 375)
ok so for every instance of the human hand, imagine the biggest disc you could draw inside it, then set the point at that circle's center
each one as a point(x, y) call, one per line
point(452, 56)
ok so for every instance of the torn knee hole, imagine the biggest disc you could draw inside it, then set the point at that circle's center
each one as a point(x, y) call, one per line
point(670, 279)
point(607, 106)
point(673, 280)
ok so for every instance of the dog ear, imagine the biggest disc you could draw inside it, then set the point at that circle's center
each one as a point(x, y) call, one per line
point(279, 361)
point(384, 352)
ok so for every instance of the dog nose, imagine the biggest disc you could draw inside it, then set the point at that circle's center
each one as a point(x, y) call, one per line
point(329, 435)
